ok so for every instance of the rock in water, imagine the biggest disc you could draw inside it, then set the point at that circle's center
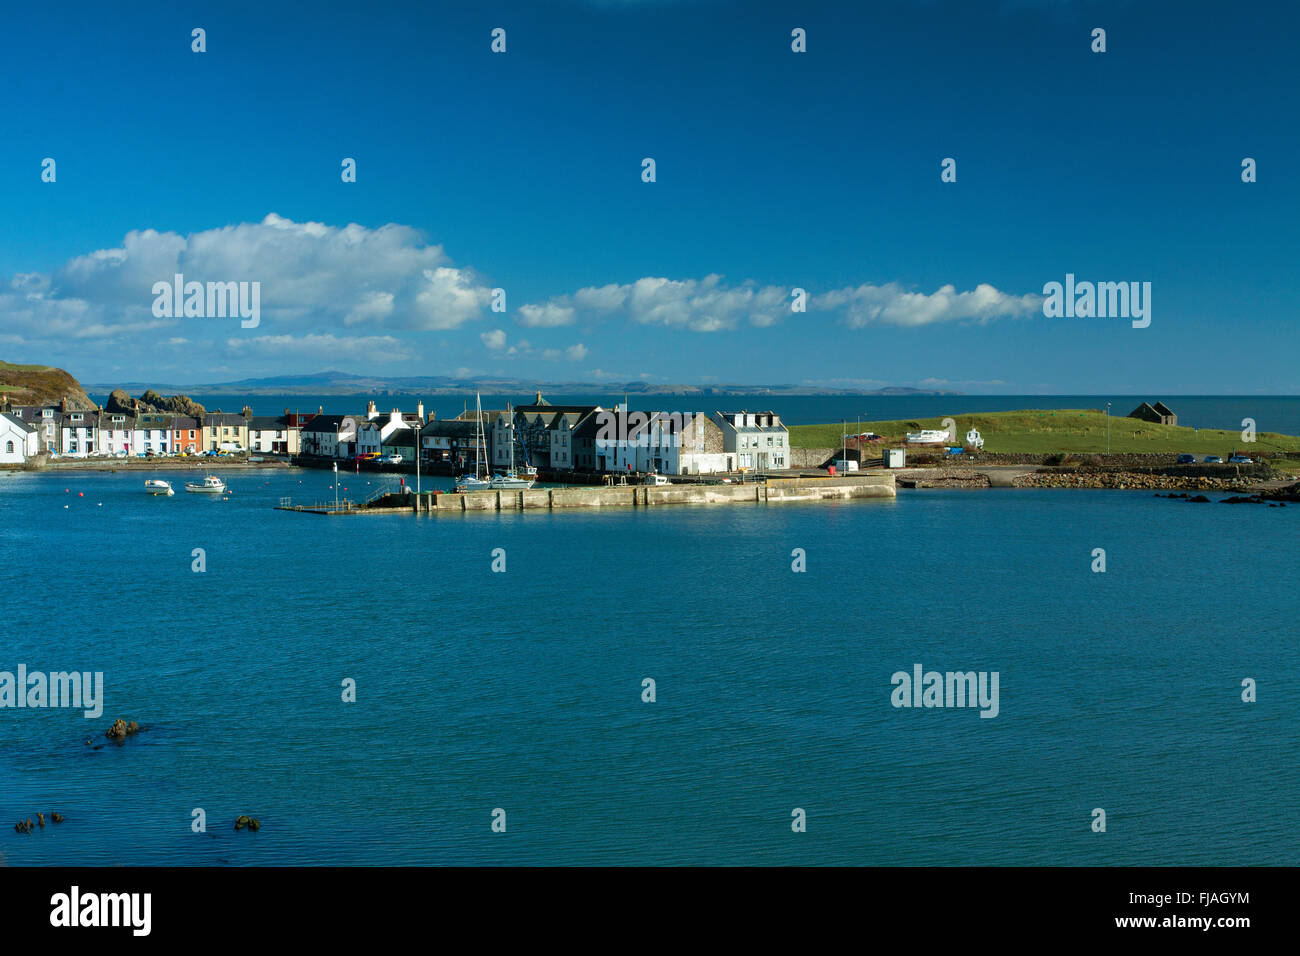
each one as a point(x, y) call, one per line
point(242, 821)
point(57, 817)
point(254, 824)
point(40, 818)
point(122, 729)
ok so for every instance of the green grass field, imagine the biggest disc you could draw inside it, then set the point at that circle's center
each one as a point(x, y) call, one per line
point(1035, 431)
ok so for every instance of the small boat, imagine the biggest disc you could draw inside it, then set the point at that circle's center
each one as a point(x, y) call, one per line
point(929, 436)
point(656, 479)
point(510, 481)
point(156, 486)
point(209, 486)
point(471, 483)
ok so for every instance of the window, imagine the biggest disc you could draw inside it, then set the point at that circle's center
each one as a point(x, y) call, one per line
point(9, 448)
point(769, 441)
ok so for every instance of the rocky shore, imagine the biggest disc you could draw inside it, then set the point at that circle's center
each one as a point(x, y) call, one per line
point(1131, 481)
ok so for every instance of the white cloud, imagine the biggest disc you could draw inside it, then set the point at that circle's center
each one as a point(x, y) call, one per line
point(313, 278)
point(546, 316)
point(891, 304)
point(701, 305)
point(496, 339)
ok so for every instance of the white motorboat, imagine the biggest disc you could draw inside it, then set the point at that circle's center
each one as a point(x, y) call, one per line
point(656, 480)
point(510, 481)
point(209, 486)
point(156, 486)
point(974, 439)
point(929, 436)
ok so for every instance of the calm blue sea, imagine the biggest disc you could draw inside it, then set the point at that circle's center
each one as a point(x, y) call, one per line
point(522, 690)
point(1271, 413)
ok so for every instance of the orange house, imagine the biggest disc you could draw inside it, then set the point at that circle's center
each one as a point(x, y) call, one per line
point(186, 436)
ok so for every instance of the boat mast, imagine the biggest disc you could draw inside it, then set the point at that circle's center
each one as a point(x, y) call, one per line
point(479, 450)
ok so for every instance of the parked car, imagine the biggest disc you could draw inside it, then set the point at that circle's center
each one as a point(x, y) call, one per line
point(1213, 460)
point(1186, 459)
point(1240, 460)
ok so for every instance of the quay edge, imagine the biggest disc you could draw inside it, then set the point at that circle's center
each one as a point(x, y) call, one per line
point(876, 485)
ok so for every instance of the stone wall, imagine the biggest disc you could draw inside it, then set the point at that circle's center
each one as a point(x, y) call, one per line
point(796, 489)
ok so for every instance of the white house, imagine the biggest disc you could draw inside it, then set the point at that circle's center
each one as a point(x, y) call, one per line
point(18, 440)
point(115, 433)
point(757, 440)
point(669, 443)
point(376, 429)
point(77, 436)
point(152, 433)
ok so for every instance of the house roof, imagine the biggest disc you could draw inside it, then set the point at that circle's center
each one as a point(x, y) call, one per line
point(18, 422)
point(223, 419)
point(1145, 406)
point(450, 428)
point(325, 424)
point(401, 436)
point(1162, 408)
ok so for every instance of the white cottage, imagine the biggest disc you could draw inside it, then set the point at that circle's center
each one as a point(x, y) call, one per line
point(18, 440)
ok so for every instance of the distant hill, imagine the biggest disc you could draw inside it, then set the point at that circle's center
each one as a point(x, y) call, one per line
point(344, 383)
point(42, 385)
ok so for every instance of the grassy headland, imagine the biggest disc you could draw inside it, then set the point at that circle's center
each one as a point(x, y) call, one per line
point(1037, 431)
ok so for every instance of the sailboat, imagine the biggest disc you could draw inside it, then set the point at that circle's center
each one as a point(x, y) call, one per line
point(476, 482)
point(511, 480)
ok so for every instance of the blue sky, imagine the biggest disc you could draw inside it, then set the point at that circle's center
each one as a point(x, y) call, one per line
point(775, 170)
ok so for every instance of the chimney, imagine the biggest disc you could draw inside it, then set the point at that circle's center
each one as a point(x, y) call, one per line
point(371, 411)
point(419, 412)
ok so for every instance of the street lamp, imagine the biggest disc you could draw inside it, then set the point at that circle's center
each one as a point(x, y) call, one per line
point(1108, 428)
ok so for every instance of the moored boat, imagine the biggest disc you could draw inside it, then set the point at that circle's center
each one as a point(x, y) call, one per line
point(510, 481)
point(209, 486)
point(476, 481)
point(156, 486)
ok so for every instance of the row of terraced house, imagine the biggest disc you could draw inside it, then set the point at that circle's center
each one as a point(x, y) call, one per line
point(58, 431)
point(555, 438)
point(559, 438)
